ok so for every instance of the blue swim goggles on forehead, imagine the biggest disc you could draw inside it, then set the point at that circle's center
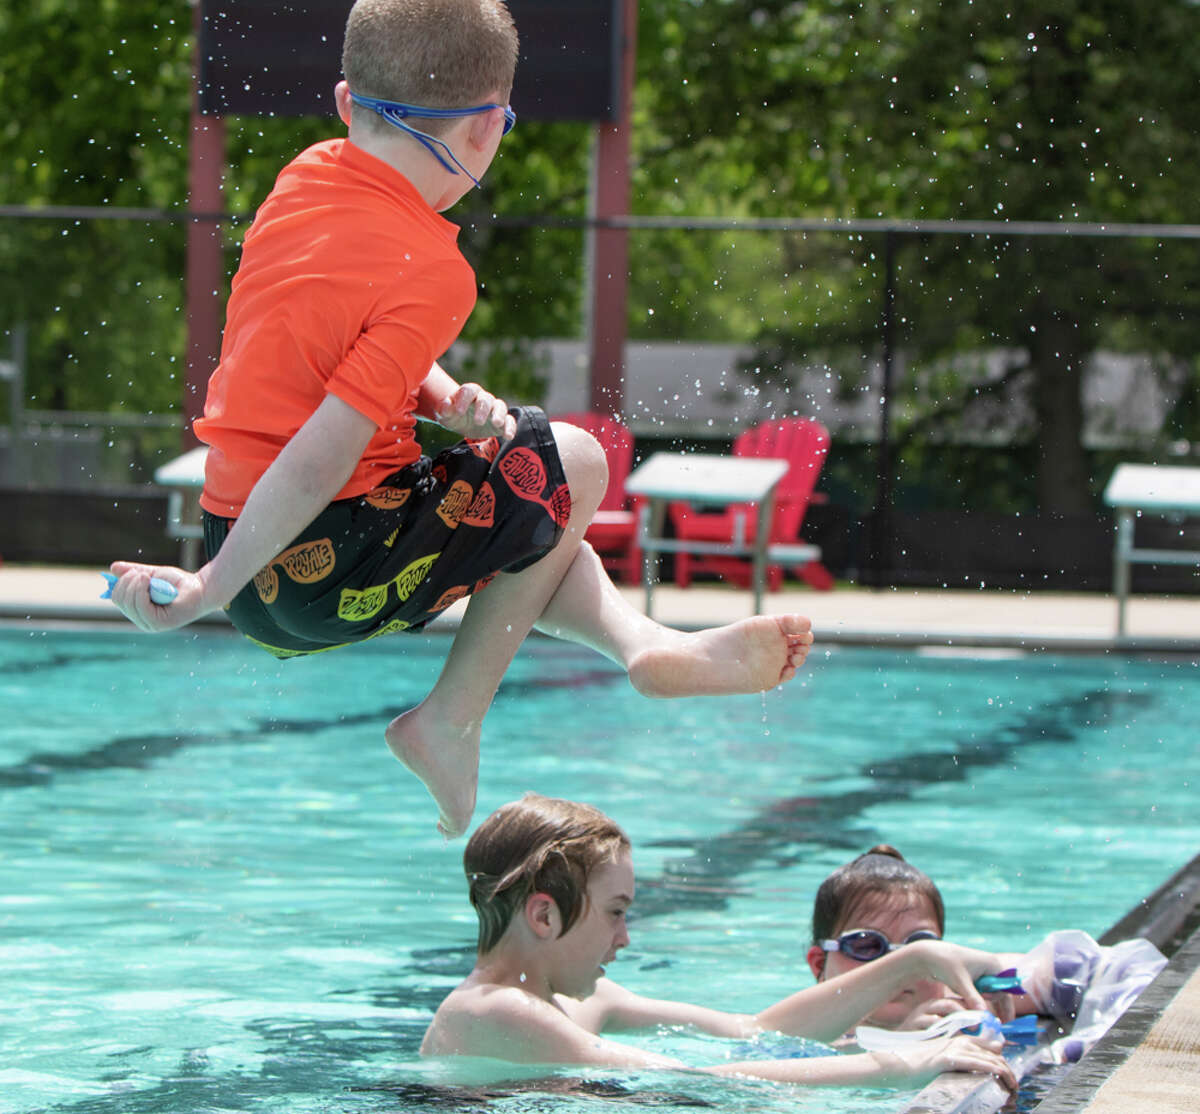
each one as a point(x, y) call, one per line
point(866, 944)
point(396, 112)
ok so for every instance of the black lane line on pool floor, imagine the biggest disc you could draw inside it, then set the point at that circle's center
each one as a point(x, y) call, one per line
point(708, 877)
point(40, 665)
point(138, 752)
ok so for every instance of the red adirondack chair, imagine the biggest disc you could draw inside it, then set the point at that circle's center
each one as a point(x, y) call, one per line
point(802, 441)
point(613, 530)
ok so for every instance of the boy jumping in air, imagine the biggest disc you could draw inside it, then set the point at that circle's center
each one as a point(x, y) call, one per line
point(324, 523)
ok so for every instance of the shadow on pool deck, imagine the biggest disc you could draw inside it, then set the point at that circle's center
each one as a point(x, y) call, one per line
point(986, 617)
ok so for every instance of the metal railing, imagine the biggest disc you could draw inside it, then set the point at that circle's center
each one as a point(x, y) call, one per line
point(877, 317)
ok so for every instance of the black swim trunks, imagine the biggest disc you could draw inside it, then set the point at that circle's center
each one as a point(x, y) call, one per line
point(396, 557)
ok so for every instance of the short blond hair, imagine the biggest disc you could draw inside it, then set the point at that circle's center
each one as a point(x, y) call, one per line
point(536, 845)
point(434, 53)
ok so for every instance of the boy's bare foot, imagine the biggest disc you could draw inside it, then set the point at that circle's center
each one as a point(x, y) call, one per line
point(445, 757)
point(747, 656)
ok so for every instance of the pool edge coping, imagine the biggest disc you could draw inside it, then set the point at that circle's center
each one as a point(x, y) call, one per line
point(1151, 918)
point(1104, 1061)
point(26, 615)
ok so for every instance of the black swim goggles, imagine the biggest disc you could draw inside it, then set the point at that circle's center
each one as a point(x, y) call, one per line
point(396, 112)
point(865, 944)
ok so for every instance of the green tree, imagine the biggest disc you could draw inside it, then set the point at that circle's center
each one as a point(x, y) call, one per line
point(94, 112)
point(1058, 110)
point(1054, 111)
point(96, 98)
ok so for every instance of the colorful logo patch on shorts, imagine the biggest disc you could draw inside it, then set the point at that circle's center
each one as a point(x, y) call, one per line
point(524, 472)
point(560, 504)
point(305, 563)
point(411, 576)
point(454, 503)
point(266, 584)
point(357, 606)
point(482, 511)
point(449, 596)
point(388, 498)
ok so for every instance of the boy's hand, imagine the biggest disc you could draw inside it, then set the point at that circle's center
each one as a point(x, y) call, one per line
point(473, 412)
point(131, 594)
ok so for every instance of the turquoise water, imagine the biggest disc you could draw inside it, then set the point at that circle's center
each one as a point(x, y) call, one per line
point(218, 892)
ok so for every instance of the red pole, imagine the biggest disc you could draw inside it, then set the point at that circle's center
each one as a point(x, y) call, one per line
point(610, 252)
point(205, 259)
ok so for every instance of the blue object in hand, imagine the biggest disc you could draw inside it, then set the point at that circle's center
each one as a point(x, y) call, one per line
point(162, 592)
point(1021, 1030)
point(988, 1024)
point(1004, 982)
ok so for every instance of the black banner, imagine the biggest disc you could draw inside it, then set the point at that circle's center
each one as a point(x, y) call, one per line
point(283, 57)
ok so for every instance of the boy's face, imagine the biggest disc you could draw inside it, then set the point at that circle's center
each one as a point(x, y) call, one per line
point(594, 939)
point(897, 916)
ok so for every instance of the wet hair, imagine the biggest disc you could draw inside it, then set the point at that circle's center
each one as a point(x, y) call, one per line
point(881, 871)
point(536, 845)
point(434, 53)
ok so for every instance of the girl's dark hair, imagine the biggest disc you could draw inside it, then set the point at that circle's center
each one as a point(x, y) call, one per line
point(536, 845)
point(882, 870)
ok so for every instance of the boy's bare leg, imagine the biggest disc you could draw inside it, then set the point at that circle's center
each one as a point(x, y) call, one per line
point(747, 656)
point(567, 593)
point(439, 739)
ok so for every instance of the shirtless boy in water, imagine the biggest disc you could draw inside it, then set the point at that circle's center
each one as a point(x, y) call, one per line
point(551, 882)
point(324, 523)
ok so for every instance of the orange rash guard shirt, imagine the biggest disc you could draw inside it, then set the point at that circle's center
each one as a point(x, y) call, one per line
point(349, 284)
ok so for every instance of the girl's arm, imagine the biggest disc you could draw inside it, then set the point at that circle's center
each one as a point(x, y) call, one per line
point(438, 386)
point(826, 1011)
point(522, 1029)
point(823, 1012)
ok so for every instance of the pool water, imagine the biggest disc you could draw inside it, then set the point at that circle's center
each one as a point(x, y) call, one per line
point(218, 892)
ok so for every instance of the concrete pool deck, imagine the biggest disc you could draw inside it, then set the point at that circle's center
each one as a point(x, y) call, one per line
point(901, 616)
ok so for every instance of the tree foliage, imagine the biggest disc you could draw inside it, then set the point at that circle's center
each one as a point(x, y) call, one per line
point(94, 99)
point(1059, 110)
point(1048, 111)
